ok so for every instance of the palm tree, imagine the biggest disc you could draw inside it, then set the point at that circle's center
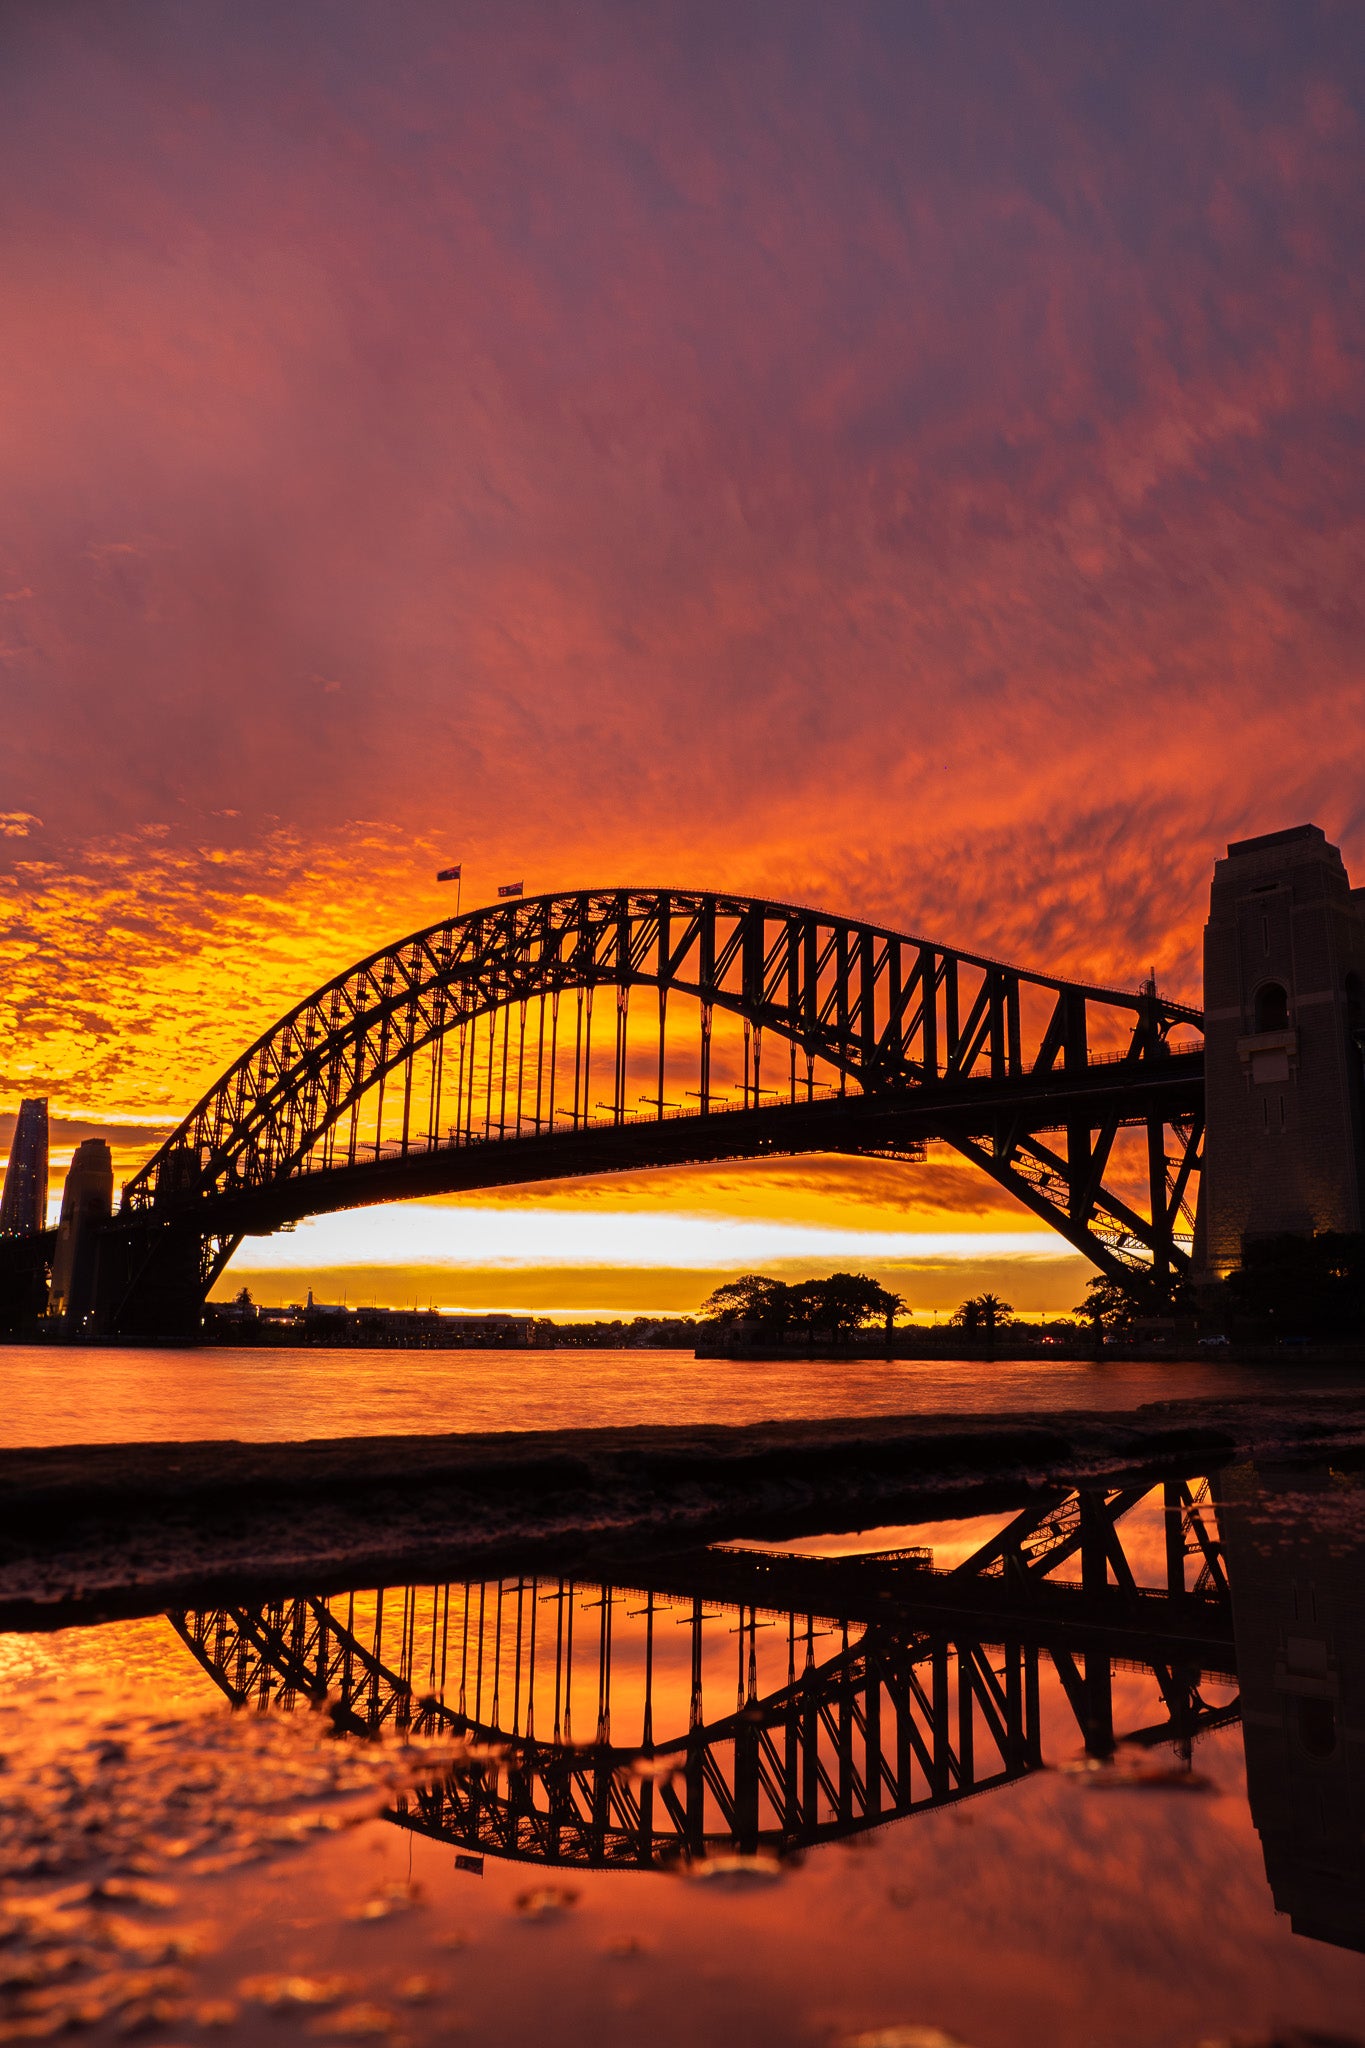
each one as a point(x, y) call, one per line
point(983, 1312)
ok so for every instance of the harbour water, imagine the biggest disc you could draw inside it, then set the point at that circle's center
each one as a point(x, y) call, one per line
point(56, 1395)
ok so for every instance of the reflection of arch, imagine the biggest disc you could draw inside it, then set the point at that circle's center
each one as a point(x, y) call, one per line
point(884, 1728)
point(904, 1716)
point(1272, 1007)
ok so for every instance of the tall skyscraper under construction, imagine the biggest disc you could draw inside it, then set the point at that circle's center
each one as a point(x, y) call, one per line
point(23, 1205)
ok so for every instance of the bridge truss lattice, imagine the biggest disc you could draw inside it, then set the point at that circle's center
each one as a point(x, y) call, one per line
point(588, 1710)
point(475, 1053)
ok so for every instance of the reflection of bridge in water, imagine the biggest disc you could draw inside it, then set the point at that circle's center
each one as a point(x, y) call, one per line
point(731, 1699)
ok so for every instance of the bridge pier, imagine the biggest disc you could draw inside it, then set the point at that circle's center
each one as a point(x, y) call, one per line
point(148, 1281)
point(25, 1280)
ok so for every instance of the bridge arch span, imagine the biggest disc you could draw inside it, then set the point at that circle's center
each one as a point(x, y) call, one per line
point(475, 1052)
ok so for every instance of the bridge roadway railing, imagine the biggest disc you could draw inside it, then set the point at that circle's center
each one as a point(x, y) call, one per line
point(976, 1112)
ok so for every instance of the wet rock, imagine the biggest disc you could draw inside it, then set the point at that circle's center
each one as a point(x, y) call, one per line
point(360, 2022)
point(736, 1873)
point(545, 1902)
point(418, 1989)
point(1285, 2037)
point(280, 1993)
point(398, 1895)
point(901, 2037)
point(624, 1947)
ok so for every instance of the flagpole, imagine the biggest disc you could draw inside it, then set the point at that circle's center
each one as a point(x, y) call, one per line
point(456, 875)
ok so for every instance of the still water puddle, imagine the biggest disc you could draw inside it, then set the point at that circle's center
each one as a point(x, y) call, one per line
point(1090, 1773)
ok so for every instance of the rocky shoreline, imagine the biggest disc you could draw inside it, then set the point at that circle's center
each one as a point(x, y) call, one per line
point(96, 1530)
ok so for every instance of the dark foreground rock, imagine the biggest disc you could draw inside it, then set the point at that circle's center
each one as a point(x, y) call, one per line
point(95, 1530)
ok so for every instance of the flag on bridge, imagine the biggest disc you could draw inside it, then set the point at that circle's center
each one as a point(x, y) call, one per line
point(509, 888)
point(448, 875)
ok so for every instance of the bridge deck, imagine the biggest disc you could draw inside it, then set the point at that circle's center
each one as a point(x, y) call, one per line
point(1146, 1623)
point(979, 1108)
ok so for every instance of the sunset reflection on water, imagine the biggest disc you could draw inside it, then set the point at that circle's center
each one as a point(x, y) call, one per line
point(131, 1394)
point(1122, 1899)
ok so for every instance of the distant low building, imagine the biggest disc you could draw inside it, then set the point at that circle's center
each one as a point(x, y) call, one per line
point(333, 1323)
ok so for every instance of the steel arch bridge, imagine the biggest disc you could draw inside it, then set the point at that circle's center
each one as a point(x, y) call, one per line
point(474, 1053)
point(914, 1707)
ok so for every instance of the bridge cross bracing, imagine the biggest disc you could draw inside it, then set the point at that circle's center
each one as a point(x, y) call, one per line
point(829, 1723)
point(476, 1053)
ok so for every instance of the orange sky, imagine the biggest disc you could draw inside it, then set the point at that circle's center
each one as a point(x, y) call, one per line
point(901, 460)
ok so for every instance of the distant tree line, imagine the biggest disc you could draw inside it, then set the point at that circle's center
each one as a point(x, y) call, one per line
point(837, 1307)
point(640, 1333)
point(1295, 1289)
point(831, 1308)
point(982, 1315)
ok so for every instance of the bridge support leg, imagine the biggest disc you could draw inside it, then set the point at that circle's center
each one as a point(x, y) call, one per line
point(1158, 1196)
point(148, 1283)
point(1173, 1497)
point(1099, 1704)
point(746, 1788)
point(25, 1277)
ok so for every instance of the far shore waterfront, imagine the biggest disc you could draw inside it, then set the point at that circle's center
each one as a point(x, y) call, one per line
point(1019, 1344)
point(318, 1327)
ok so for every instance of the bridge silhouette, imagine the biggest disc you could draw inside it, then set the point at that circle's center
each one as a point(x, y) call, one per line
point(475, 1054)
point(595, 1743)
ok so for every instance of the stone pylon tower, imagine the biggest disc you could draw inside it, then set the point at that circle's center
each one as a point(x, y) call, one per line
point(1284, 1035)
point(87, 1202)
